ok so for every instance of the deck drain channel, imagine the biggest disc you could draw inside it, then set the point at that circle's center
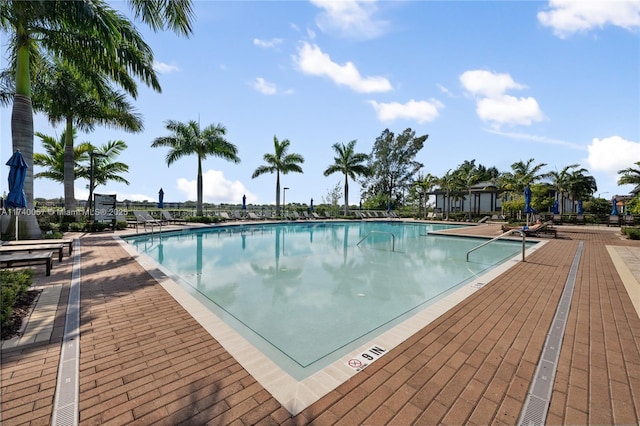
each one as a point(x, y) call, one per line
point(536, 406)
point(65, 406)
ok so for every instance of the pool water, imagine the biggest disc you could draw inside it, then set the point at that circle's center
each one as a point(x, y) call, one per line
point(306, 293)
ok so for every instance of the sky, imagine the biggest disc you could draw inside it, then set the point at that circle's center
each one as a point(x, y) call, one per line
point(496, 82)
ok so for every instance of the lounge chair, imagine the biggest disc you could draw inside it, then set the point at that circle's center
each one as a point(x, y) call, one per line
point(614, 220)
point(580, 219)
point(166, 215)
point(557, 219)
point(254, 216)
point(629, 220)
point(315, 215)
point(224, 216)
point(327, 214)
point(484, 219)
point(27, 259)
point(143, 217)
point(31, 248)
point(68, 242)
point(533, 231)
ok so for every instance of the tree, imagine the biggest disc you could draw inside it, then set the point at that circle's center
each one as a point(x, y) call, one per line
point(53, 159)
point(448, 183)
point(561, 181)
point(350, 164)
point(526, 173)
point(87, 34)
point(188, 139)
point(68, 96)
point(393, 165)
point(420, 189)
point(105, 168)
point(580, 185)
point(630, 175)
point(467, 175)
point(279, 162)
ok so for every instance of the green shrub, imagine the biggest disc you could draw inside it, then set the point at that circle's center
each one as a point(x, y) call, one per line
point(631, 233)
point(121, 225)
point(76, 227)
point(13, 284)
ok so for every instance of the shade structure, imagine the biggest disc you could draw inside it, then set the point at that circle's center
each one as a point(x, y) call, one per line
point(311, 205)
point(17, 174)
point(614, 207)
point(580, 209)
point(161, 199)
point(555, 208)
point(244, 202)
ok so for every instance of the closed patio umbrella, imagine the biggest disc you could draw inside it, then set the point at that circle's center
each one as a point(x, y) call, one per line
point(17, 173)
point(580, 209)
point(161, 199)
point(614, 207)
point(311, 205)
point(527, 203)
point(244, 202)
point(555, 208)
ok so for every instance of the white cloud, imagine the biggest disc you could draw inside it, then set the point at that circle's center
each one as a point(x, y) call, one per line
point(567, 17)
point(509, 110)
point(421, 111)
point(444, 90)
point(494, 105)
point(311, 60)
point(350, 18)
point(612, 154)
point(264, 87)
point(267, 44)
point(486, 83)
point(217, 189)
point(536, 138)
point(163, 68)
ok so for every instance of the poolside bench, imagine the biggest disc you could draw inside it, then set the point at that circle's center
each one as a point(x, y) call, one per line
point(31, 248)
point(27, 259)
point(65, 241)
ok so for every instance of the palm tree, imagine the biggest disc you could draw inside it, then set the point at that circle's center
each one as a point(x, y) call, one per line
point(105, 168)
point(560, 181)
point(53, 160)
point(189, 139)
point(581, 185)
point(630, 175)
point(279, 162)
point(467, 176)
point(67, 96)
point(526, 173)
point(448, 183)
point(350, 164)
point(88, 34)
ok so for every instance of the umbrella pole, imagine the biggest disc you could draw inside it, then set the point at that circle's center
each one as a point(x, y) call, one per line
point(15, 212)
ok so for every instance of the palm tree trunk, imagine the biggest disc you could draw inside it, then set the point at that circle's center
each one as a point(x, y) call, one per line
point(69, 165)
point(199, 188)
point(277, 193)
point(346, 195)
point(22, 137)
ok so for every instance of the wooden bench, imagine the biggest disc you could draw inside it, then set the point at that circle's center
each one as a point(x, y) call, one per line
point(66, 241)
point(27, 259)
point(31, 248)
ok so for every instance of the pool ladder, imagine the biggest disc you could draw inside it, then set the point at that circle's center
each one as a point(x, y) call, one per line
point(393, 238)
point(524, 240)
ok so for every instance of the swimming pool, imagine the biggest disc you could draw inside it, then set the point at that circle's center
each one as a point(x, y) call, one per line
point(307, 293)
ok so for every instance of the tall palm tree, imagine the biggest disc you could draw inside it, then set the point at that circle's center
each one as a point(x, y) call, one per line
point(350, 164)
point(468, 175)
point(526, 173)
point(581, 185)
point(279, 162)
point(89, 35)
point(188, 139)
point(561, 181)
point(105, 168)
point(630, 175)
point(67, 96)
point(448, 183)
point(54, 158)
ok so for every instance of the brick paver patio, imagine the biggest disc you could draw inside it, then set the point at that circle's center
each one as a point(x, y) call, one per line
point(144, 359)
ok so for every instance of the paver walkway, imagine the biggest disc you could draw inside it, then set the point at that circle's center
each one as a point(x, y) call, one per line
point(145, 360)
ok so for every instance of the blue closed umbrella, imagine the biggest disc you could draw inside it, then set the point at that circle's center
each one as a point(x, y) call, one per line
point(527, 202)
point(555, 210)
point(244, 202)
point(161, 199)
point(580, 209)
point(17, 174)
point(614, 207)
point(311, 205)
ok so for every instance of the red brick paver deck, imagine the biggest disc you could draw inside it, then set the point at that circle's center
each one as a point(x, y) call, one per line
point(144, 359)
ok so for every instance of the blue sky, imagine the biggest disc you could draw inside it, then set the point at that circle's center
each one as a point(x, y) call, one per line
point(497, 82)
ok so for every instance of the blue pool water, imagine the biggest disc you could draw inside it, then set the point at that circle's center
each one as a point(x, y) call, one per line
point(307, 293)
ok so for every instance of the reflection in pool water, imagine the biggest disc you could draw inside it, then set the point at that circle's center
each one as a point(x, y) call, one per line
point(306, 293)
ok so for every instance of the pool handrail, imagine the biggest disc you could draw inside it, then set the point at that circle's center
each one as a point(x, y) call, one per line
point(393, 238)
point(510, 231)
